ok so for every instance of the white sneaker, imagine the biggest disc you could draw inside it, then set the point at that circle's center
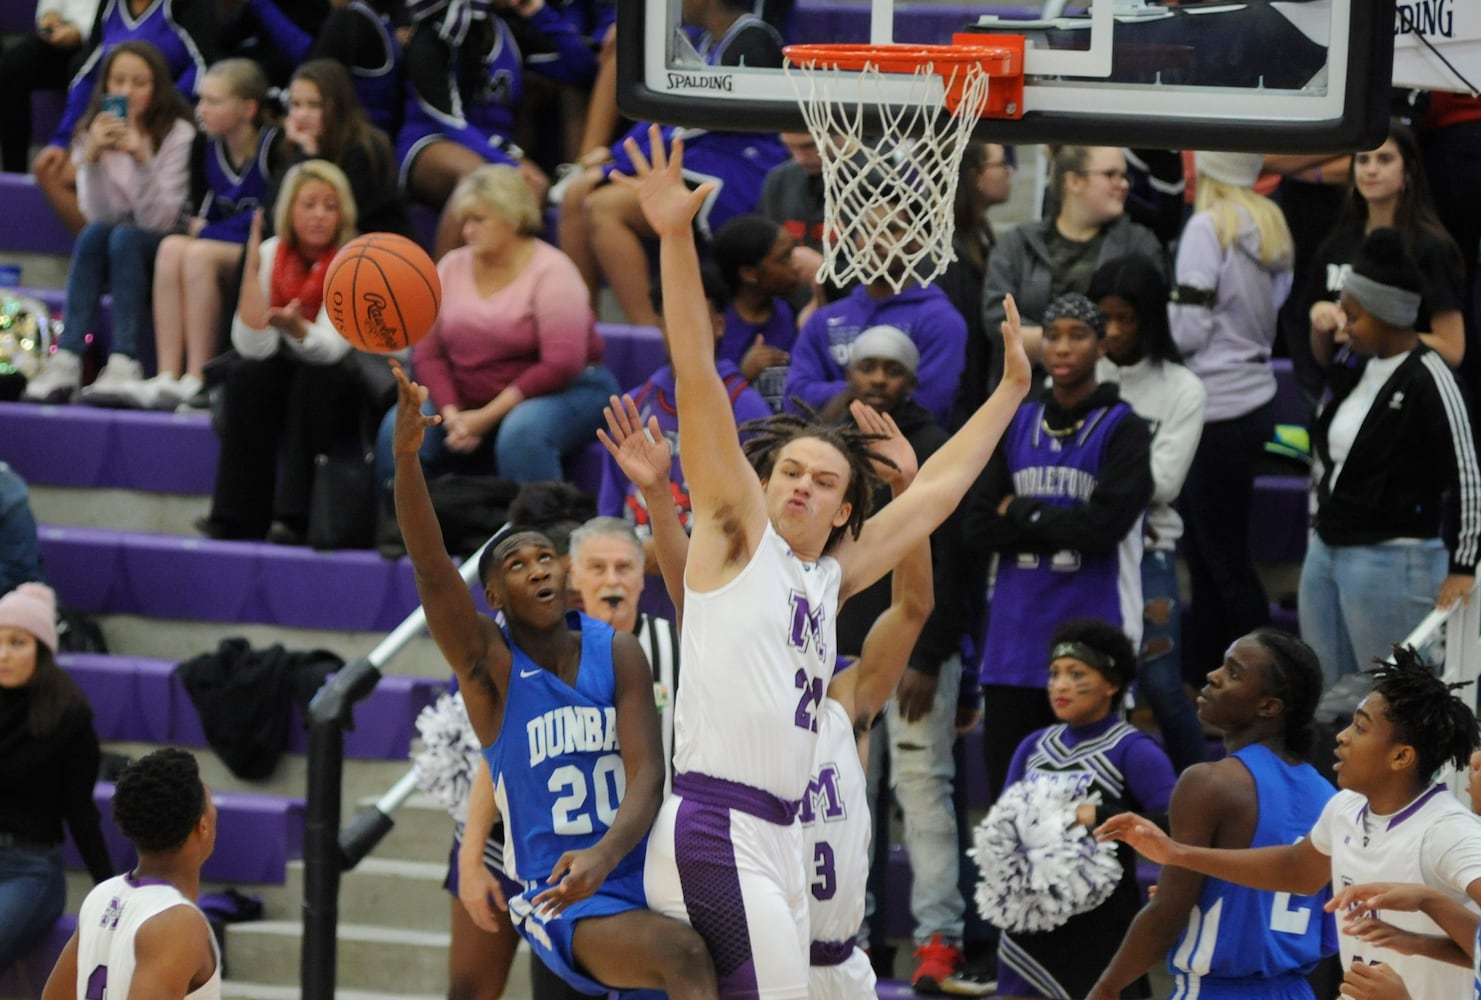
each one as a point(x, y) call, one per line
point(120, 383)
point(565, 174)
point(170, 391)
point(57, 381)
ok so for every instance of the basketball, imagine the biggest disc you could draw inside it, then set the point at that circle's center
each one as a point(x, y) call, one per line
point(382, 292)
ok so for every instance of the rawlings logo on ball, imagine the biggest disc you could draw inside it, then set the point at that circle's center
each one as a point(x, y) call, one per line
point(374, 327)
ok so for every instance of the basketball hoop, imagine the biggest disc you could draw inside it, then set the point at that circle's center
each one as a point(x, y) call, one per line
point(891, 123)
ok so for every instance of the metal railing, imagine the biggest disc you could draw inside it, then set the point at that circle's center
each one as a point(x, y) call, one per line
point(328, 851)
point(1462, 625)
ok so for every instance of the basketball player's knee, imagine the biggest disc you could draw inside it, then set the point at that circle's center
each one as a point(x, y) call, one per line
point(687, 956)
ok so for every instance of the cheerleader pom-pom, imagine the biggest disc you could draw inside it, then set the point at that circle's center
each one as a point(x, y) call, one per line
point(1039, 866)
point(448, 758)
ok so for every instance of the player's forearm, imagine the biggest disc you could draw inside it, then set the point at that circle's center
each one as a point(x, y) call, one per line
point(1148, 940)
point(685, 310)
point(1276, 869)
point(947, 475)
point(1455, 919)
point(670, 543)
point(636, 813)
point(418, 519)
point(482, 809)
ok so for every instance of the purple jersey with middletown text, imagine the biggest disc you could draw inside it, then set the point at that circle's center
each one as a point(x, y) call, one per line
point(156, 25)
point(1035, 591)
point(234, 193)
point(758, 653)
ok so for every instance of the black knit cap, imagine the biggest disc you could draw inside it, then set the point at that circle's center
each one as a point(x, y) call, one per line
point(1383, 258)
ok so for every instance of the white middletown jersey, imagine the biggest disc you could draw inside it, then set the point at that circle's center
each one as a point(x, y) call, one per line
point(758, 654)
point(107, 924)
point(1435, 841)
point(835, 831)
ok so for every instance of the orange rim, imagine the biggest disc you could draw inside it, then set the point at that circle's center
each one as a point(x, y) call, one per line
point(901, 58)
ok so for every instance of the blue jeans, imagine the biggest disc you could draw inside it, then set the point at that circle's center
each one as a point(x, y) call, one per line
point(1357, 600)
point(922, 770)
point(20, 552)
point(118, 256)
point(1160, 678)
point(32, 895)
point(530, 440)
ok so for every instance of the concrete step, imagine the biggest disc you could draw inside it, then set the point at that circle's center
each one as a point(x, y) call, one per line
point(396, 960)
point(363, 779)
point(388, 892)
point(423, 831)
point(179, 639)
point(127, 510)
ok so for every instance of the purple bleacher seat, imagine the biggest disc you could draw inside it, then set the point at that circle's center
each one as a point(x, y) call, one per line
point(1290, 405)
point(1279, 518)
point(30, 224)
point(167, 576)
point(46, 112)
point(28, 975)
point(141, 700)
point(894, 989)
point(256, 837)
point(632, 352)
point(124, 449)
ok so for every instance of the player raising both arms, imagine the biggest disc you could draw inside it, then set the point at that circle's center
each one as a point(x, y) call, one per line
point(835, 814)
point(1390, 822)
point(563, 707)
point(769, 562)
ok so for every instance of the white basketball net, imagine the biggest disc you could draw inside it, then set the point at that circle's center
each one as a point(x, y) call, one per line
point(888, 211)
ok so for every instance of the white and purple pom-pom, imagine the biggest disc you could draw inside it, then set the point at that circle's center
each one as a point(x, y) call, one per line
point(448, 758)
point(1039, 866)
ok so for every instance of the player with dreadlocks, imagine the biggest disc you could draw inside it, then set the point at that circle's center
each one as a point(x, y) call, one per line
point(775, 546)
point(1390, 822)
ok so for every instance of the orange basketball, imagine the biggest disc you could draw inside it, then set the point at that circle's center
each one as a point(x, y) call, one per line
point(382, 292)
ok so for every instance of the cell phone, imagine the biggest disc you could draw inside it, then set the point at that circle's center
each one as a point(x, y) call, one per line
point(116, 104)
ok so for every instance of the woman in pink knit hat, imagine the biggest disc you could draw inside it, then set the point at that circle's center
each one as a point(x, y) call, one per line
point(48, 765)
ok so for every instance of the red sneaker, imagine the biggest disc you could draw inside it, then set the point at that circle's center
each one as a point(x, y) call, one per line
point(935, 962)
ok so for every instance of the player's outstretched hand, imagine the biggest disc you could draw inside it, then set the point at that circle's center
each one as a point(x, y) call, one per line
point(643, 454)
point(902, 466)
point(577, 875)
point(1373, 982)
point(668, 204)
point(411, 422)
point(1381, 934)
point(1143, 835)
point(1405, 896)
point(480, 892)
point(1017, 372)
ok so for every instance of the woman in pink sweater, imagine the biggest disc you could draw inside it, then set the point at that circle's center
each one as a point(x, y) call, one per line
point(514, 362)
